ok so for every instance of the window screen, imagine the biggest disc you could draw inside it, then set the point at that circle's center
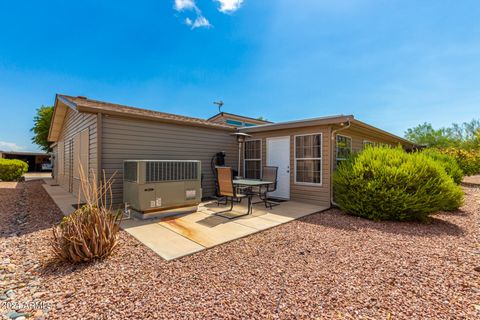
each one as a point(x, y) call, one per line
point(344, 148)
point(253, 159)
point(308, 159)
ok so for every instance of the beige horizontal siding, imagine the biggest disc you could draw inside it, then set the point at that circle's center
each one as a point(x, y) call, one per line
point(133, 139)
point(359, 135)
point(319, 195)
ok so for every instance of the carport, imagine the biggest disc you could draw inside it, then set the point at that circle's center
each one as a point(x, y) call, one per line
point(35, 160)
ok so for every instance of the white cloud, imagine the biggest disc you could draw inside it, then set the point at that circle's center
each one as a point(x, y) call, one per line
point(190, 5)
point(226, 6)
point(10, 146)
point(229, 6)
point(201, 22)
point(181, 5)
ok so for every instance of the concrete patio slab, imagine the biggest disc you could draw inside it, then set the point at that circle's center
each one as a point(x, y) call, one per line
point(473, 180)
point(206, 230)
point(166, 243)
point(37, 175)
point(177, 236)
point(180, 235)
point(62, 198)
point(8, 184)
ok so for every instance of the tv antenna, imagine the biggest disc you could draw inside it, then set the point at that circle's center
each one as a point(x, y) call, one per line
point(219, 104)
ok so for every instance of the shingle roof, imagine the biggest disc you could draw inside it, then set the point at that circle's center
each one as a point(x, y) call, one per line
point(85, 104)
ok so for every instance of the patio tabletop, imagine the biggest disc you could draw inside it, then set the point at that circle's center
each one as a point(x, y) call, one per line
point(251, 182)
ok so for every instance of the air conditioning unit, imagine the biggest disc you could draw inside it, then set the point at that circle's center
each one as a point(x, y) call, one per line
point(157, 185)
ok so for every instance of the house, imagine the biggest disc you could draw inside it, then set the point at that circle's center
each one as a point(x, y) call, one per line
point(99, 136)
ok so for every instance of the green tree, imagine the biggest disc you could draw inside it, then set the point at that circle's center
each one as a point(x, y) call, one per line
point(425, 134)
point(41, 127)
point(465, 135)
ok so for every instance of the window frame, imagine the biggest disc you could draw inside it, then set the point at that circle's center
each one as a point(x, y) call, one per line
point(373, 144)
point(239, 123)
point(236, 123)
point(295, 160)
point(336, 147)
point(244, 159)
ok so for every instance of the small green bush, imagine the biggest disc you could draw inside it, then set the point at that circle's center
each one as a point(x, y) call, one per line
point(389, 184)
point(448, 162)
point(12, 169)
point(468, 160)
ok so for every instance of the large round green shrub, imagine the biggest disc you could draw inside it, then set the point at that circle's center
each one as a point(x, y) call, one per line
point(448, 162)
point(12, 169)
point(384, 183)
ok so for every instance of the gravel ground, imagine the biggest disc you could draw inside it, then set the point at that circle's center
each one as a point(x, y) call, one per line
point(325, 266)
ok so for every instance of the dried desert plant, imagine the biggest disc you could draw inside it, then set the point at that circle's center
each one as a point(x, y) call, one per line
point(91, 232)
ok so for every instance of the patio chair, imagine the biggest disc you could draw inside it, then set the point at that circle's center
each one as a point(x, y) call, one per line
point(227, 190)
point(269, 173)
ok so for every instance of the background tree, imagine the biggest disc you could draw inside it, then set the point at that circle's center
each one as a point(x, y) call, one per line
point(465, 135)
point(41, 127)
point(425, 134)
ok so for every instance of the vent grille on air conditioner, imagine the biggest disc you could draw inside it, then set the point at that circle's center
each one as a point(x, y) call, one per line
point(157, 171)
point(130, 171)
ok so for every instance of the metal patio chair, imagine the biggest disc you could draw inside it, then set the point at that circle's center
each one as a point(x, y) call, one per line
point(227, 190)
point(269, 173)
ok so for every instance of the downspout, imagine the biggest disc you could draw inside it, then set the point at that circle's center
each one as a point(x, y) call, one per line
point(333, 136)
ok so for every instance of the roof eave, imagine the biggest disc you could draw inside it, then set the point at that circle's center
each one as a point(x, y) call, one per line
point(88, 109)
point(215, 116)
point(58, 98)
point(378, 130)
point(298, 123)
point(218, 115)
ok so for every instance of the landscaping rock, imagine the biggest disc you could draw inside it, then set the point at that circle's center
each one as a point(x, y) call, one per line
point(38, 315)
point(326, 266)
point(16, 315)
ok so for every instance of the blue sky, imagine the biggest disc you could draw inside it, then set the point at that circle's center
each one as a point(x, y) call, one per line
point(393, 64)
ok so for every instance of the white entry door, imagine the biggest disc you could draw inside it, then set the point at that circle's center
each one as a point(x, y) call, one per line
point(278, 155)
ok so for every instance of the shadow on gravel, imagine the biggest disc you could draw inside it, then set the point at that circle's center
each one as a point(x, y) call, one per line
point(55, 268)
point(458, 213)
point(470, 185)
point(336, 219)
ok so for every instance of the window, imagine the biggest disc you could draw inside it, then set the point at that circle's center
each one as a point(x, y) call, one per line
point(308, 159)
point(367, 143)
point(344, 148)
point(234, 122)
point(238, 123)
point(253, 159)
